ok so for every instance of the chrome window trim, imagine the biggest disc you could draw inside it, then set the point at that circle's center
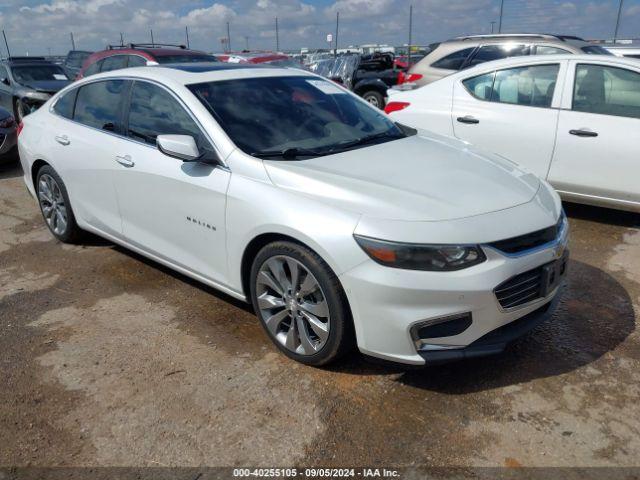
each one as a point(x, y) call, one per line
point(222, 164)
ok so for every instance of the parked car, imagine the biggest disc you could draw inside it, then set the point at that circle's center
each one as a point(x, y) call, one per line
point(264, 58)
point(366, 75)
point(8, 136)
point(339, 225)
point(460, 53)
point(116, 57)
point(630, 51)
point(28, 82)
point(570, 119)
point(73, 62)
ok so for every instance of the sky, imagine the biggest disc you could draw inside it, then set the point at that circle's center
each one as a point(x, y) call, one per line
point(40, 27)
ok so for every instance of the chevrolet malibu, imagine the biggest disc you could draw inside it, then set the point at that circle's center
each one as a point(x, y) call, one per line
point(285, 190)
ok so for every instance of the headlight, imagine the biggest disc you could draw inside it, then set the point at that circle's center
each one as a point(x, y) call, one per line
point(413, 256)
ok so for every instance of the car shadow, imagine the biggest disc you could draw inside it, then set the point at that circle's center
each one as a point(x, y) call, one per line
point(594, 317)
point(10, 167)
point(602, 215)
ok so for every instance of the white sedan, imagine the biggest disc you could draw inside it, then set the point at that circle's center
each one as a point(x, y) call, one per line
point(571, 119)
point(283, 189)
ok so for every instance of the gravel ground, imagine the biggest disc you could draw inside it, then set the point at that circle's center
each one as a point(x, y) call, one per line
point(108, 359)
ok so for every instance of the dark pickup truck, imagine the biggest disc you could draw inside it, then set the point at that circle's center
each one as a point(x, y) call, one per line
point(366, 75)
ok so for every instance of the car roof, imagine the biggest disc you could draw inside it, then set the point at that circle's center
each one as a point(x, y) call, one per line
point(190, 73)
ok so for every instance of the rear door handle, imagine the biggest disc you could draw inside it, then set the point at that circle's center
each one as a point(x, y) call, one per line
point(583, 133)
point(468, 119)
point(125, 160)
point(63, 140)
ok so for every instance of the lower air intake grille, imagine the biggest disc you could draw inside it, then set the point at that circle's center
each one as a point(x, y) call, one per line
point(520, 289)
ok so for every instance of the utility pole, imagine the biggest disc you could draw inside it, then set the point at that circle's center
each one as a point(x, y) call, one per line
point(615, 34)
point(153, 43)
point(410, 35)
point(186, 32)
point(73, 42)
point(121, 40)
point(246, 42)
point(6, 44)
point(501, 10)
point(228, 37)
point(335, 52)
point(493, 25)
point(277, 36)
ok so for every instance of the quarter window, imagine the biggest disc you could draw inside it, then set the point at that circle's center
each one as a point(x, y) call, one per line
point(154, 111)
point(607, 90)
point(64, 105)
point(546, 50)
point(99, 104)
point(529, 86)
point(453, 61)
point(488, 53)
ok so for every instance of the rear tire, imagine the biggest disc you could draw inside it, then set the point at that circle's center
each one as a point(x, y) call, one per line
point(375, 98)
point(55, 206)
point(301, 304)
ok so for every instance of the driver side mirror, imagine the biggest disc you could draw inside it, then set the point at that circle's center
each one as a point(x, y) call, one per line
point(182, 147)
point(6, 81)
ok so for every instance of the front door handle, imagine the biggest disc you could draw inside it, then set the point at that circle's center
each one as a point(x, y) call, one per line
point(63, 140)
point(468, 119)
point(583, 133)
point(125, 160)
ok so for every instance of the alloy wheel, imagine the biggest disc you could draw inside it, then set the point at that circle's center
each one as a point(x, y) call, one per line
point(52, 204)
point(292, 305)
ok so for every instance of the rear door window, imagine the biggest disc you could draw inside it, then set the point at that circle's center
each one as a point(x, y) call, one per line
point(532, 86)
point(136, 61)
point(99, 104)
point(455, 60)
point(114, 63)
point(549, 50)
point(487, 53)
point(65, 104)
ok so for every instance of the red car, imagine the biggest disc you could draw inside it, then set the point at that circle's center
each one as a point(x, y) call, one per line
point(270, 58)
point(138, 55)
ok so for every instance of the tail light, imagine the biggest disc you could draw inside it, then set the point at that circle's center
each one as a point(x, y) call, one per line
point(396, 106)
point(408, 77)
point(20, 127)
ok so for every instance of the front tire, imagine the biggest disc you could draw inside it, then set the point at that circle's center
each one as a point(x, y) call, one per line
point(300, 303)
point(55, 206)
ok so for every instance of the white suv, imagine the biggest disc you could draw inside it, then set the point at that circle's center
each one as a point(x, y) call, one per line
point(572, 119)
point(283, 189)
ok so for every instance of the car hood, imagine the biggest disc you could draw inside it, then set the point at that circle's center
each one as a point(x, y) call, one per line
point(425, 177)
point(49, 86)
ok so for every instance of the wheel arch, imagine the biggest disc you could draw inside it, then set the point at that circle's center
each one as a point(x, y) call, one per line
point(35, 168)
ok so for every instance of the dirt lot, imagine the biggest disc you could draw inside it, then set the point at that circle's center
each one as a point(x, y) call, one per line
point(109, 359)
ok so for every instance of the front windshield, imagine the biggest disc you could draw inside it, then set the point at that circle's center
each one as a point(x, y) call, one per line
point(38, 73)
point(267, 115)
point(185, 58)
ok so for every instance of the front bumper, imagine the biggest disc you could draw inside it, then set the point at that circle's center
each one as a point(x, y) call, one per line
point(387, 304)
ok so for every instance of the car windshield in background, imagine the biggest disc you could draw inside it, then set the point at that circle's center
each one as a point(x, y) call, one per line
point(293, 117)
point(596, 50)
point(285, 62)
point(76, 59)
point(185, 58)
point(38, 73)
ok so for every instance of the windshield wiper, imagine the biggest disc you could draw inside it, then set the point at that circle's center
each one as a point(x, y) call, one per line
point(366, 140)
point(288, 153)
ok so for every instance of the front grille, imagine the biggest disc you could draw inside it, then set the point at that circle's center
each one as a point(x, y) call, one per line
point(530, 240)
point(520, 289)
